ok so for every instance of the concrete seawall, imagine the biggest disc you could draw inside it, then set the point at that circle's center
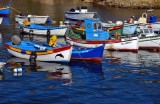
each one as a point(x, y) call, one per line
point(127, 3)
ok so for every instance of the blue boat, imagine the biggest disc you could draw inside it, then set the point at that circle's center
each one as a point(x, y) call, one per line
point(87, 54)
point(129, 29)
point(5, 11)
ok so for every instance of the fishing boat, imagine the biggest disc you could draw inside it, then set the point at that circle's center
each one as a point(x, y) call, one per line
point(32, 18)
point(148, 40)
point(26, 49)
point(95, 36)
point(82, 53)
point(5, 11)
point(38, 29)
point(87, 54)
point(79, 13)
point(128, 28)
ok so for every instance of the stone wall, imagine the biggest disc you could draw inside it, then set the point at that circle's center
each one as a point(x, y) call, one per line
point(127, 3)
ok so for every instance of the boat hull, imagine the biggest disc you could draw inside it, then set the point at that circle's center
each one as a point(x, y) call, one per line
point(125, 44)
point(62, 54)
point(1, 19)
point(149, 43)
point(5, 11)
point(130, 28)
point(33, 19)
point(88, 54)
point(78, 16)
point(57, 31)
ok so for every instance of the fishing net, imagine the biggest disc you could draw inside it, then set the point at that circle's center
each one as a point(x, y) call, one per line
point(71, 34)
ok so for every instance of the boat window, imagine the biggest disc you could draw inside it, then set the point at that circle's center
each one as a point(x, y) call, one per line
point(146, 31)
point(151, 31)
point(99, 26)
point(95, 26)
point(88, 25)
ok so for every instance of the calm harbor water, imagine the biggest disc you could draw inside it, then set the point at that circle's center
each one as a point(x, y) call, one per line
point(132, 78)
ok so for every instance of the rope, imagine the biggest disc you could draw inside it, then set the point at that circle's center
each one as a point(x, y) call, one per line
point(82, 58)
point(15, 9)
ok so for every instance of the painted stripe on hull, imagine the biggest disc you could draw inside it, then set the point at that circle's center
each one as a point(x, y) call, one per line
point(60, 54)
point(118, 45)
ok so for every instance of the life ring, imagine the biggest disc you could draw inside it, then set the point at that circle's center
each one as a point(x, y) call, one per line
point(144, 15)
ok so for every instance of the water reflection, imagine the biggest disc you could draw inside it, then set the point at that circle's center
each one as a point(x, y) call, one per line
point(142, 58)
point(54, 71)
point(0, 38)
point(91, 71)
point(142, 63)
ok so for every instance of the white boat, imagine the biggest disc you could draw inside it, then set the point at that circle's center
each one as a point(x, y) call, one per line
point(43, 30)
point(148, 40)
point(79, 13)
point(33, 19)
point(26, 49)
point(1, 19)
point(95, 36)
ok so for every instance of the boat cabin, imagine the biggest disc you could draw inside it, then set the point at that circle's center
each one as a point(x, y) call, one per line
point(82, 9)
point(94, 30)
point(146, 32)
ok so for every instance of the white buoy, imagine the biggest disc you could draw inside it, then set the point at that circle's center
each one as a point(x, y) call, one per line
point(17, 74)
point(17, 70)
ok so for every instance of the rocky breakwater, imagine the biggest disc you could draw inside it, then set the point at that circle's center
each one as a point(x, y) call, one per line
point(127, 3)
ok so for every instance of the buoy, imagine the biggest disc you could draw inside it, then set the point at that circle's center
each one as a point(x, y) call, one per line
point(17, 70)
point(17, 74)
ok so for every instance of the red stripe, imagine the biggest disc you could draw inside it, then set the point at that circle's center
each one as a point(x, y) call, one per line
point(124, 50)
point(96, 41)
point(7, 46)
point(61, 49)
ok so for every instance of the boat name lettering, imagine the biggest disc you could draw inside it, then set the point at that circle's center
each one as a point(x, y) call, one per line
point(123, 43)
point(95, 35)
point(80, 41)
point(127, 39)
